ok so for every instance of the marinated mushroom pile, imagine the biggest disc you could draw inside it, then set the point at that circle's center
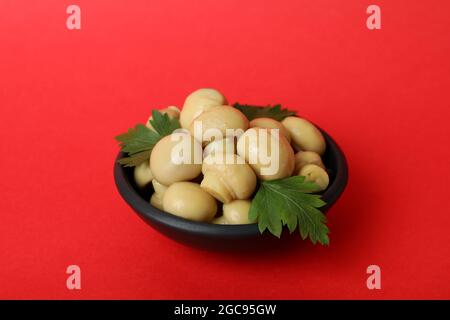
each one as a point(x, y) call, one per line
point(230, 154)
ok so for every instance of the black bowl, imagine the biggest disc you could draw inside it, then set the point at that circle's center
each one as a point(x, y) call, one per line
point(221, 236)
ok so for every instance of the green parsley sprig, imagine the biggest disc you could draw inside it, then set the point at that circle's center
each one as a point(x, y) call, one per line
point(139, 141)
point(278, 203)
point(274, 112)
point(289, 202)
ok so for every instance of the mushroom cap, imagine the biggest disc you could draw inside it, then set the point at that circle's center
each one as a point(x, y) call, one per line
point(270, 123)
point(227, 180)
point(157, 197)
point(315, 174)
point(220, 220)
point(305, 136)
point(226, 145)
point(217, 120)
point(188, 200)
point(172, 111)
point(157, 201)
point(236, 212)
point(260, 155)
point(199, 101)
point(164, 164)
point(303, 158)
point(142, 174)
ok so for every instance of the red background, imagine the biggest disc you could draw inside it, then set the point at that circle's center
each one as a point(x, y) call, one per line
point(64, 94)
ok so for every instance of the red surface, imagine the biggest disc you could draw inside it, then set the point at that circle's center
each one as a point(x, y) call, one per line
point(64, 95)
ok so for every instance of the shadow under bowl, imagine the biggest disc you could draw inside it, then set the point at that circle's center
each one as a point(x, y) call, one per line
point(212, 236)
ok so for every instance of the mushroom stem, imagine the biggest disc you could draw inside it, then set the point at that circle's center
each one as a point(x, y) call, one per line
point(227, 177)
point(219, 189)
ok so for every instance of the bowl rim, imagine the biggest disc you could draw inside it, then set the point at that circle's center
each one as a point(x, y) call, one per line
point(151, 214)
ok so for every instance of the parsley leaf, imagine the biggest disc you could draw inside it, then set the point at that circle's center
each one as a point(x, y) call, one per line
point(163, 124)
point(139, 141)
point(135, 159)
point(274, 112)
point(289, 202)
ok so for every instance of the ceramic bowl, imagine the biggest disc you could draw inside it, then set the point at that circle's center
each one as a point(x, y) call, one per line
point(221, 236)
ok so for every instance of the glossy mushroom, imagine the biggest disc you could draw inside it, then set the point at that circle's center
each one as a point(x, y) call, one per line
point(142, 174)
point(217, 123)
point(302, 158)
point(166, 159)
point(305, 136)
point(315, 174)
point(157, 197)
point(236, 212)
point(220, 220)
point(227, 177)
point(270, 123)
point(259, 146)
point(198, 102)
point(226, 145)
point(189, 201)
